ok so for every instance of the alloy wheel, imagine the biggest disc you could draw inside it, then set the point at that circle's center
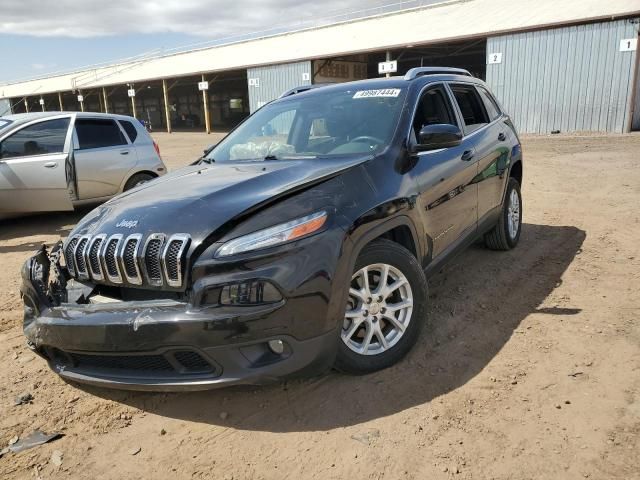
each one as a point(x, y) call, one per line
point(378, 310)
point(513, 214)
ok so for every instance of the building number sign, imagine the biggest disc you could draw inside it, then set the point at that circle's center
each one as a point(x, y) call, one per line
point(628, 44)
point(494, 57)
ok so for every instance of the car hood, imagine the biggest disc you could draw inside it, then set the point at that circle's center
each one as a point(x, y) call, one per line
point(199, 199)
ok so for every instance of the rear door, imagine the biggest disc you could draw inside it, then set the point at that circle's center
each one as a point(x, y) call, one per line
point(35, 173)
point(103, 157)
point(484, 133)
point(492, 173)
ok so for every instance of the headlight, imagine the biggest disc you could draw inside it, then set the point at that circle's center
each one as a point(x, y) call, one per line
point(285, 232)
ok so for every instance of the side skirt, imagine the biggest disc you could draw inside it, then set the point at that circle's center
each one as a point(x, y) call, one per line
point(486, 223)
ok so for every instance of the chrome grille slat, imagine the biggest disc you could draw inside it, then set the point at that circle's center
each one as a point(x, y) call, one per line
point(129, 259)
point(151, 260)
point(79, 257)
point(68, 254)
point(110, 258)
point(172, 258)
point(93, 257)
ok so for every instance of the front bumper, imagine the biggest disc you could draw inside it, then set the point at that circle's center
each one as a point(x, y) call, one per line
point(168, 345)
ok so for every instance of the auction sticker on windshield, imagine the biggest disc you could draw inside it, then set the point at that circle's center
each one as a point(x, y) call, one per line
point(383, 92)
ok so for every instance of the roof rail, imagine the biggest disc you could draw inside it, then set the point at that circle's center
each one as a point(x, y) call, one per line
point(420, 71)
point(302, 88)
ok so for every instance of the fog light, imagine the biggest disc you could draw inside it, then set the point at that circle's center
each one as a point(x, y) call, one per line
point(252, 292)
point(276, 346)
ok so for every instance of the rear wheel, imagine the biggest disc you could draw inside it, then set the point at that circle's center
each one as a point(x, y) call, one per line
point(506, 233)
point(138, 179)
point(385, 310)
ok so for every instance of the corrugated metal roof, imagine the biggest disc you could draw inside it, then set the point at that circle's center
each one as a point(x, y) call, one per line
point(457, 19)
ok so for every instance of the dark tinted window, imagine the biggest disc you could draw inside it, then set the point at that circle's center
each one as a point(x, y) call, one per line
point(490, 104)
point(471, 106)
point(130, 129)
point(96, 133)
point(37, 139)
point(434, 107)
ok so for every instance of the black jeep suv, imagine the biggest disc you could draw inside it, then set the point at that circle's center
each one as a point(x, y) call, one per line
point(302, 241)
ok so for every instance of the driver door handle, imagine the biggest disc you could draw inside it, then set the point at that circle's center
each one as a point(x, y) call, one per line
point(467, 155)
point(51, 164)
point(124, 152)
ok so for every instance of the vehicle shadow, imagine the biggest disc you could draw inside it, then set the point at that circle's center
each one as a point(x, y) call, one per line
point(476, 304)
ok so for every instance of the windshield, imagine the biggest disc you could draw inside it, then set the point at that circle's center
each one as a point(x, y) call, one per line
point(327, 124)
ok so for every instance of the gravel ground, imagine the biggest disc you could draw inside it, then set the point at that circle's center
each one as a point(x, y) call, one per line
point(529, 368)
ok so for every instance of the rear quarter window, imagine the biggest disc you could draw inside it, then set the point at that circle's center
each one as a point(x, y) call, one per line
point(490, 104)
point(131, 130)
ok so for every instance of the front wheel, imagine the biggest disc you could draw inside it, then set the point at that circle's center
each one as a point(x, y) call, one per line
point(385, 310)
point(506, 233)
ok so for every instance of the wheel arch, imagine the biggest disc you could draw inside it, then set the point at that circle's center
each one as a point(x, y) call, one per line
point(399, 229)
point(132, 174)
point(516, 171)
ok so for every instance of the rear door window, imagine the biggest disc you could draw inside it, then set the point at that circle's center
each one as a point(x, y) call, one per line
point(471, 107)
point(38, 139)
point(98, 133)
point(130, 129)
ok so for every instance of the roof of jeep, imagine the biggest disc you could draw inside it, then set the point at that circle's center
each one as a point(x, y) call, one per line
point(379, 83)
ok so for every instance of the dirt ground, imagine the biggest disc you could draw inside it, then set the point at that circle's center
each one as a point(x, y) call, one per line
point(529, 368)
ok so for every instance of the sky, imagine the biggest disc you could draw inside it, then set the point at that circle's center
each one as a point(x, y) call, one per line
point(38, 37)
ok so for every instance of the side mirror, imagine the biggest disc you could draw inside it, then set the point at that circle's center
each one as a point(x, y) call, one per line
point(438, 135)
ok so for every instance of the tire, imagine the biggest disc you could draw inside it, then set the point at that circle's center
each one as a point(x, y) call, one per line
point(502, 236)
point(137, 179)
point(359, 315)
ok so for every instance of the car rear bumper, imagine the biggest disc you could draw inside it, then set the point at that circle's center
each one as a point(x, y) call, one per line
point(168, 345)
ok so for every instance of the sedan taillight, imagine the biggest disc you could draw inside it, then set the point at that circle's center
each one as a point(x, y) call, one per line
point(155, 145)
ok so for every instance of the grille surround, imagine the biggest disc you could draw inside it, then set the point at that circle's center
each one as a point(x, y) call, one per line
point(157, 260)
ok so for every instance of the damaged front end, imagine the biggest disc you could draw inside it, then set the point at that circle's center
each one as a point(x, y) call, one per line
point(142, 339)
point(46, 282)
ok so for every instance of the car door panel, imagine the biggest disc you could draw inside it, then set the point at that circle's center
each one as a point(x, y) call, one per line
point(494, 161)
point(36, 178)
point(448, 195)
point(100, 170)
